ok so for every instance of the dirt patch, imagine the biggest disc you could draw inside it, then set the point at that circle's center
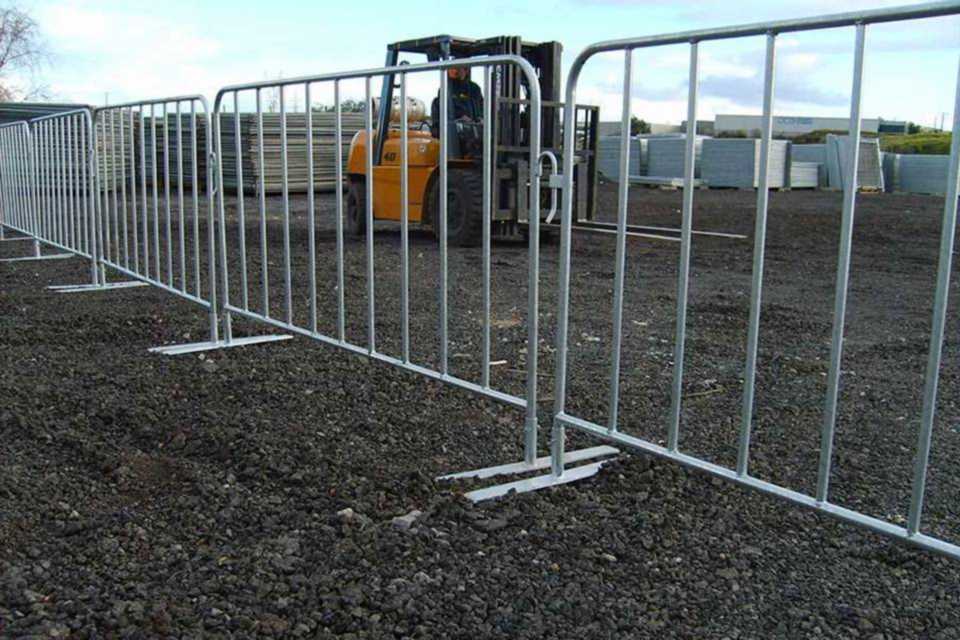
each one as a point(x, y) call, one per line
point(269, 491)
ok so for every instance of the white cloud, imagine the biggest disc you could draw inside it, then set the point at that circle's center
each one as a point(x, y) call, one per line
point(125, 52)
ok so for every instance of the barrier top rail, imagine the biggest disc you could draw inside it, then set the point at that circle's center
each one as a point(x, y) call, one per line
point(60, 114)
point(827, 21)
point(381, 71)
point(155, 101)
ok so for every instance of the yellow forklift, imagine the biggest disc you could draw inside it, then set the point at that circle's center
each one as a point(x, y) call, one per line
point(510, 172)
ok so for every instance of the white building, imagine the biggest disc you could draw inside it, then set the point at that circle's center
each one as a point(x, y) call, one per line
point(789, 126)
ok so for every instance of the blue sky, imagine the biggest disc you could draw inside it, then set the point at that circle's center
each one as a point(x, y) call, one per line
point(132, 50)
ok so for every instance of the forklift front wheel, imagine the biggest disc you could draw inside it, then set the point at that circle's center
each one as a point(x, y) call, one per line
point(357, 208)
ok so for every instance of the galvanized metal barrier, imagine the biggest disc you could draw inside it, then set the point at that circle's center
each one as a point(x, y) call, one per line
point(154, 224)
point(44, 166)
point(610, 430)
point(286, 320)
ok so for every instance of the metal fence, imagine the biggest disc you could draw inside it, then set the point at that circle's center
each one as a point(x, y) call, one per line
point(610, 430)
point(44, 175)
point(236, 259)
point(155, 222)
point(93, 186)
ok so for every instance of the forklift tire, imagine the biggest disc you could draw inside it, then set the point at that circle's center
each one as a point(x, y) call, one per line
point(356, 207)
point(464, 207)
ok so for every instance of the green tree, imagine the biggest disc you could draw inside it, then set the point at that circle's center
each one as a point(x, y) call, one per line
point(638, 126)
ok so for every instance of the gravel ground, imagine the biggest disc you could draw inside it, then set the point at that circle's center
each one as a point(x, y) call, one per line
point(274, 490)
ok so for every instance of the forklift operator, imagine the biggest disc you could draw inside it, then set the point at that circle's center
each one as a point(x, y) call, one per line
point(464, 111)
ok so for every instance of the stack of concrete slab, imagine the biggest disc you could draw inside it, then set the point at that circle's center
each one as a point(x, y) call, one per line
point(910, 173)
point(811, 153)
point(608, 157)
point(728, 162)
point(869, 169)
point(804, 175)
point(324, 148)
point(665, 156)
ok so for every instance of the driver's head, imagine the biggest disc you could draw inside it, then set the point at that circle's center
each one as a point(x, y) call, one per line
point(458, 73)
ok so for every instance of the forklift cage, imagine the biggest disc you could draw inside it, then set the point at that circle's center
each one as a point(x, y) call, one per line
point(610, 431)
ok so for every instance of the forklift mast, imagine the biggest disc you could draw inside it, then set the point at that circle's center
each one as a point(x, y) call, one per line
point(545, 57)
point(510, 97)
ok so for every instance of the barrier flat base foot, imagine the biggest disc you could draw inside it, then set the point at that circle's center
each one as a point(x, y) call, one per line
point(570, 457)
point(81, 288)
point(15, 239)
point(196, 347)
point(52, 256)
point(533, 484)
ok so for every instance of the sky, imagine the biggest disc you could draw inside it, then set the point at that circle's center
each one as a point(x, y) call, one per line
point(120, 51)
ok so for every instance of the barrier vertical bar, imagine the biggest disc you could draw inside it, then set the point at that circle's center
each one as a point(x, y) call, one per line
point(338, 160)
point(113, 184)
point(63, 208)
point(195, 191)
point(533, 280)
point(47, 225)
point(264, 268)
point(123, 190)
point(166, 194)
point(311, 213)
point(156, 199)
point(51, 210)
point(216, 121)
point(487, 217)
point(673, 435)
point(623, 192)
point(145, 222)
point(843, 272)
point(371, 300)
point(75, 123)
point(134, 218)
point(285, 187)
point(87, 167)
point(70, 239)
point(442, 226)
point(759, 243)
point(178, 131)
point(947, 231)
point(405, 221)
point(241, 209)
point(214, 163)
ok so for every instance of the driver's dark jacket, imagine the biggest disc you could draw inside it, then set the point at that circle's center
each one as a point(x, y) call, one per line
point(466, 100)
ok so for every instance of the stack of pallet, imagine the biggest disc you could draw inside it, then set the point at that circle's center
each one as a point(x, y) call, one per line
point(153, 126)
point(324, 147)
point(185, 154)
point(113, 135)
point(736, 163)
